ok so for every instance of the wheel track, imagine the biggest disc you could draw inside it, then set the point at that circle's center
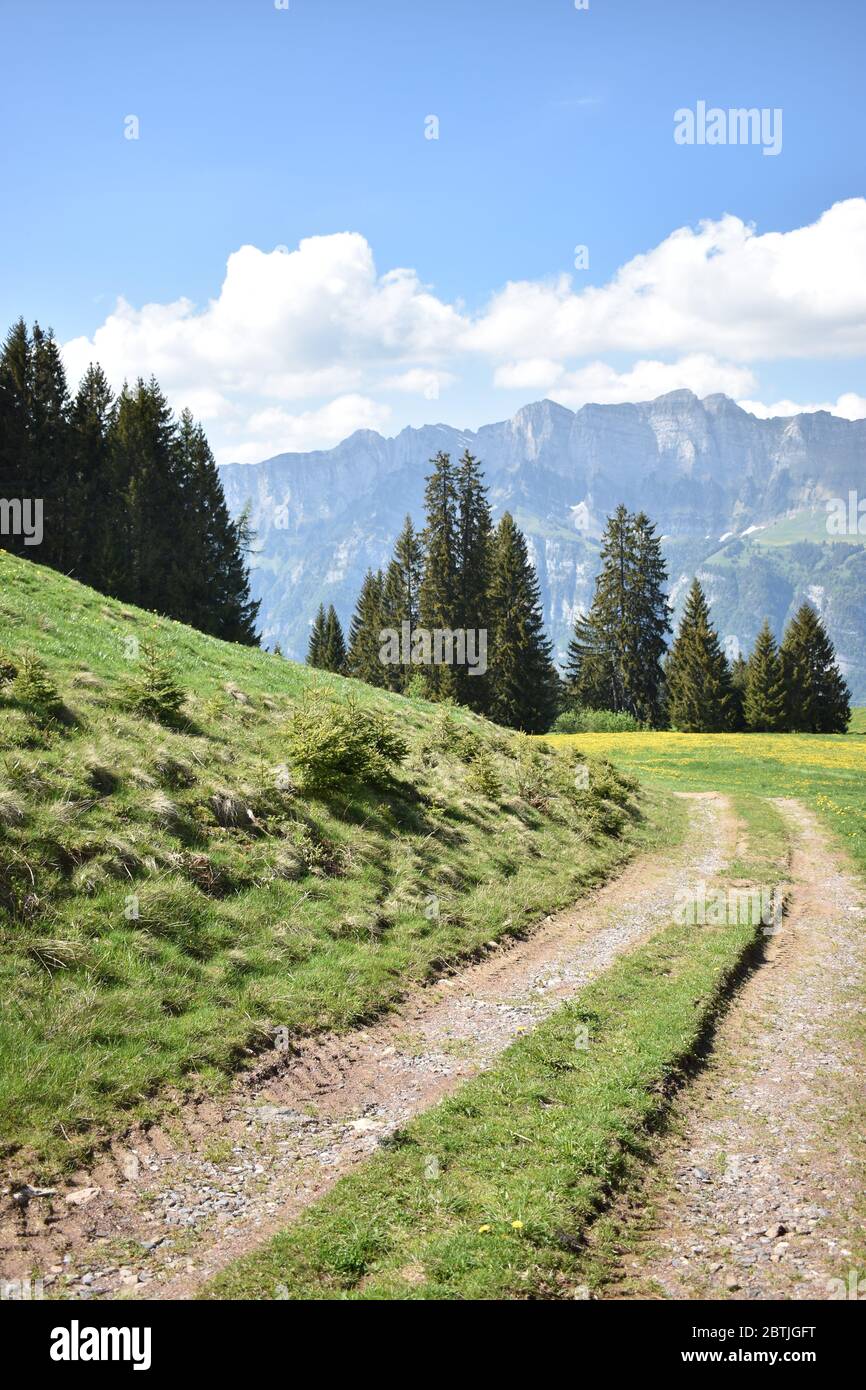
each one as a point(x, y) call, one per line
point(218, 1178)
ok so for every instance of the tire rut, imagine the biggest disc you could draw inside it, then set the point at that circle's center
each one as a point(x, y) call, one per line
point(758, 1182)
point(169, 1206)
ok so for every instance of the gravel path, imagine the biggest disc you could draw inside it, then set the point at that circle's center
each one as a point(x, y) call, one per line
point(757, 1191)
point(169, 1207)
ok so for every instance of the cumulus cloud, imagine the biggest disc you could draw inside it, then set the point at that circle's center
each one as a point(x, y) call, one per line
point(720, 288)
point(849, 406)
point(320, 330)
point(643, 381)
point(275, 430)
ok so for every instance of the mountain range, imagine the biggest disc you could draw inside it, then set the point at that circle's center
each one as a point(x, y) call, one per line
point(739, 501)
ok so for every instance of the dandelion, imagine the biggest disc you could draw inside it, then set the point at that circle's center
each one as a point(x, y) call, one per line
point(482, 1230)
point(517, 1225)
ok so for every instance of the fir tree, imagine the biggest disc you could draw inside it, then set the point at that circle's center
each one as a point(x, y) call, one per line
point(438, 597)
point(764, 707)
point(818, 699)
point(92, 506)
point(524, 687)
point(698, 679)
point(474, 534)
point(17, 475)
point(154, 692)
point(615, 655)
point(50, 460)
point(364, 634)
point(316, 648)
point(739, 677)
point(400, 598)
point(334, 646)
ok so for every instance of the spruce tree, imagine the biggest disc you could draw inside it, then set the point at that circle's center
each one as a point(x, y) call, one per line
point(739, 677)
point(50, 461)
point(16, 389)
point(615, 655)
point(524, 686)
point(400, 597)
point(699, 693)
point(365, 633)
point(474, 534)
point(438, 596)
point(764, 707)
point(334, 646)
point(316, 648)
point(818, 700)
point(93, 506)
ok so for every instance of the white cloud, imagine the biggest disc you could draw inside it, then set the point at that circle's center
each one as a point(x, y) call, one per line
point(275, 430)
point(318, 325)
point(849, 406)
point(419, 381)
point(643, 381)
point(721, 288)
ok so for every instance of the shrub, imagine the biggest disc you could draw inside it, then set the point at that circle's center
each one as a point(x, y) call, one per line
point(34, 690)
point(153, 692)
point(580, 720)
point(330, 744)
point(483, 776)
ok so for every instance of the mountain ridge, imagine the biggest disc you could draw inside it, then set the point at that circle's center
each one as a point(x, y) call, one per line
point(709, 473)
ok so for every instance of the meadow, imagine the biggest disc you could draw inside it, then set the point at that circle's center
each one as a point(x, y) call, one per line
point(826, 771)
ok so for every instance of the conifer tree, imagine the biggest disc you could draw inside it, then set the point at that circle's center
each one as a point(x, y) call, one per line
point(16, 389)
point(364, 634)
point(524, 686)
point(438, 596)
point(50, 459)
point(699, 690)
point(316, 648)
point(334, 646)
point(764, 707)
point(615, 655)
point(474, 534)
point(739, 677)
point(92, 506)
point(400, 598)
point(818, 700)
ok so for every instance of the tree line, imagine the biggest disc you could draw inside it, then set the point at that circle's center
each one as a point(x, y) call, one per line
point(132, 500)
point(619, 657)
point(459, 574)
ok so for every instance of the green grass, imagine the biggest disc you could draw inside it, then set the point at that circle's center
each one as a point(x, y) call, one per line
point(826, 771)
point(316, 913)
point(489, 1195)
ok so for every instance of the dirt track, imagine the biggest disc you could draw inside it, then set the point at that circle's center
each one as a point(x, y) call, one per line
point(171, 1206)
point(757, 1189)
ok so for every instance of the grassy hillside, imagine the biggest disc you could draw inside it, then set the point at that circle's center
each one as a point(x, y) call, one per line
point(173, 893)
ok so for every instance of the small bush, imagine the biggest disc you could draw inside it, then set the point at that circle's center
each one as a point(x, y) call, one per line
point(153, 692)
point(330, 744)
point(34, 690)
point(483, 776)
point(580, 720)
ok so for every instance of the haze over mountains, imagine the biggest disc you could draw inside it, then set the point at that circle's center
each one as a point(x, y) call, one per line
point(741, 501)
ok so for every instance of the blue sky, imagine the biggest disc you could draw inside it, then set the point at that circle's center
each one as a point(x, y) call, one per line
point(262, 127)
